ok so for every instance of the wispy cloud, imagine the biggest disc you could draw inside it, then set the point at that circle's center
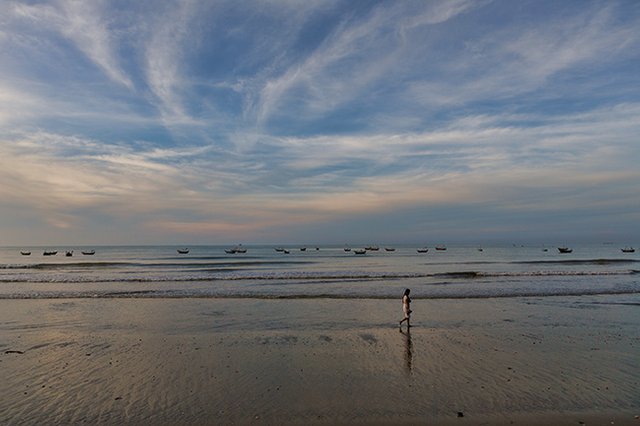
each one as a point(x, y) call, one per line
point(164, 60)
point(517, 60)
point(84, 24)
point(229, 118)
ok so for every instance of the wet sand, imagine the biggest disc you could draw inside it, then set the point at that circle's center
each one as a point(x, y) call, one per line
point(524, 361)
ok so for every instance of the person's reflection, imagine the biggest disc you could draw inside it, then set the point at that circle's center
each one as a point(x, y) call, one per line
point(408, 350)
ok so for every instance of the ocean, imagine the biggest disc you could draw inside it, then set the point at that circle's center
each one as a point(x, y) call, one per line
point(317, 272)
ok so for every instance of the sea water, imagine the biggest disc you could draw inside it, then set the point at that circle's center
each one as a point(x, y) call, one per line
point(323, 271)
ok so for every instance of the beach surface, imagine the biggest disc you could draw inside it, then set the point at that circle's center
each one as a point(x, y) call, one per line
point(548, 360)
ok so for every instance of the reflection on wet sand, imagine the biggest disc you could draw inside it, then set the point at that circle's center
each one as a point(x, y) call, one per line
point(408, 350)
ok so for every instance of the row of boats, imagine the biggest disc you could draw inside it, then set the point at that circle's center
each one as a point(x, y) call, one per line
point(67, 253)
point(565, 249)
point(239, 249)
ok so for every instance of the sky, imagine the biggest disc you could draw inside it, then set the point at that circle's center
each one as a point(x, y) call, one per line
point(319, 122)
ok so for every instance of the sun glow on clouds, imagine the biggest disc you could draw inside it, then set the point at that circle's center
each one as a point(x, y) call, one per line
point(226, 121)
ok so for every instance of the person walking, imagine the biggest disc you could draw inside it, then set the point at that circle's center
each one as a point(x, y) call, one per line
point(406, 308)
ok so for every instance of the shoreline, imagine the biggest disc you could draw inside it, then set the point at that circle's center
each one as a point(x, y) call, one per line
point(528, 360)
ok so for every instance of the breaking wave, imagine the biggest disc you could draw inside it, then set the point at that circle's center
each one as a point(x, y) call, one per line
point(233, 275)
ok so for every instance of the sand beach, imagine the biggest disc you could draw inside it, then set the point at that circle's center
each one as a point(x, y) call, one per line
point(551, 360)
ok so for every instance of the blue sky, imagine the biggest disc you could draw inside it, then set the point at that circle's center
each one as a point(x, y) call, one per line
point(281, 121)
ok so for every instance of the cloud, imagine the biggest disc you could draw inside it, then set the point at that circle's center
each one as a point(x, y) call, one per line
point(240, 119)
point(473, 163)
point(85, 24)
point(163, 58)
point(526, 58)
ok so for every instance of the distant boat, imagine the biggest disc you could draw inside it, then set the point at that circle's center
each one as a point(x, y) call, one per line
point(279, 249)
point(422, 250)
point(25, 253)
point(628, 250)
point(364, 251)
point(303, 249)
point(89, 253)
point(441, 248)
point(69, 253)
point(236, 250)
point(285, 251)
point(347, 249)
point(49, 253)
point(372, 248)
point(182, 251)
point(480, 249)
point(389, 249)
point(564, 250)
point(317, 248)
point(545, 249)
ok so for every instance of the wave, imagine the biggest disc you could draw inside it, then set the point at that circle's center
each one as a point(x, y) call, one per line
point(100, 265)
point(223, 274)
point(595, 261)
point(180, 294)
point(45, 266)
point(578, 262)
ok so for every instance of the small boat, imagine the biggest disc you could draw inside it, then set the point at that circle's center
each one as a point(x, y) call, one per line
point(49, 253)
point(317, 248)
point(69, 253)
point(628, 250)
point(183, 251)
point(347, 249)
point(285, 251)
point(389, 249)
point(372, 248)
point(564, 250)
point(279, 249)
point(441, 248)
point(480, 249)
point(364, 251)
point(422, 250)
point(25, 253)
point(544, 249)
point(89, 253)
point(303, 249)
point(236, 250)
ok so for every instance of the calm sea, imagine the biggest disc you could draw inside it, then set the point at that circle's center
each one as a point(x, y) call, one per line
point(263, 272)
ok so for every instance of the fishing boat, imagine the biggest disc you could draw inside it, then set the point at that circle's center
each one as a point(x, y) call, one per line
point(363, 251)
point(25, 253)
point(303, 249)
point(480, 249)
point(389, 249)
point(279, 249)
point(347, 249)
point(49, 253)
point(372, 248)
point(183, 251)
point(441, 248)
point(236, 250)
point(628, 250)
point(422, 250)
point(69, 253)
point(89, 252)
point(564, 250)
point(285, 251)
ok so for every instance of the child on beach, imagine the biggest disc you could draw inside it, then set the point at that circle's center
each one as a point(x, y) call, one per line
point(406, 308)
